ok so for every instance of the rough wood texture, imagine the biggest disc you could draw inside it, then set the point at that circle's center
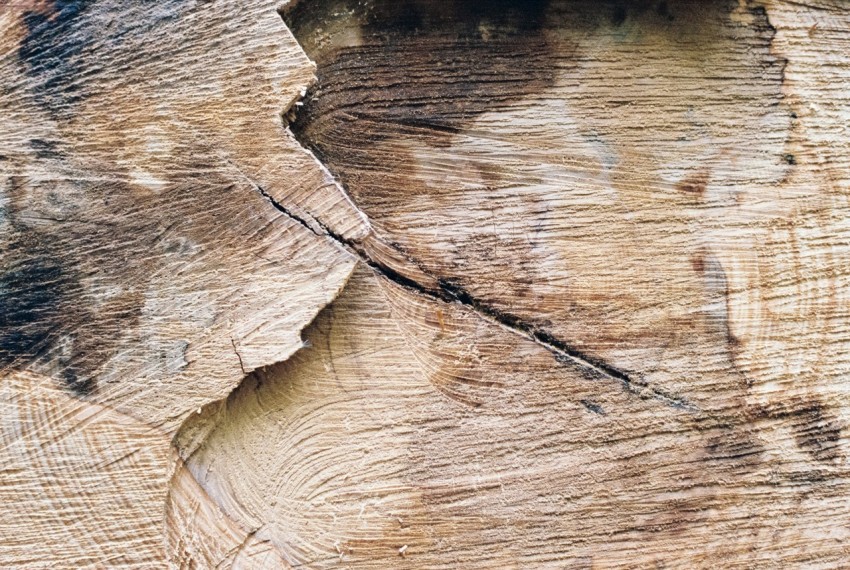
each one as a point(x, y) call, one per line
point(434, 431)
point(82, 485)
point(142, 263)
point(599, 317)
point(143, 269)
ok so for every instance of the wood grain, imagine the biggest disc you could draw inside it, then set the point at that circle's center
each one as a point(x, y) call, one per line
point(143, 268)
point(143, 264)
point(580, 271)
point(626, 183)
point(419, 435)
point(614, 198)
point(83, 485)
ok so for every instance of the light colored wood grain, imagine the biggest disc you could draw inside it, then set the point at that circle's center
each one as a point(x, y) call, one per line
point(143, 270)
point(200, 535)
point(83, 486)
point(622, 335)
point(610, 176)
point(412, 422)
point(142, 264)
point(634, 185)
point(586, 306)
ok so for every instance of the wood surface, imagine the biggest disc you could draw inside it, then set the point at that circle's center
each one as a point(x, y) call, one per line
point(425, 284)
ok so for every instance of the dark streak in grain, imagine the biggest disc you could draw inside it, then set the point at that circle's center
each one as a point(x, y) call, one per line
point(735, 447)
point(593, 407)
point(619, 15)
point(487, 53)
point(694, 184)
point(449, 292)
point(51, 50)
point(816, 430)
point(422, 71)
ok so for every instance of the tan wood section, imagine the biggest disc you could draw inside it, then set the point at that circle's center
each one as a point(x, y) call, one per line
point(425, 284)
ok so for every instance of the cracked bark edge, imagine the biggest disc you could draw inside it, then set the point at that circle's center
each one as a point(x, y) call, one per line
point(184, 442)
point(441, 289)
point(448, 292)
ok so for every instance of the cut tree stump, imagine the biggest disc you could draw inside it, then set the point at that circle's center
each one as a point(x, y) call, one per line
point(425, 284)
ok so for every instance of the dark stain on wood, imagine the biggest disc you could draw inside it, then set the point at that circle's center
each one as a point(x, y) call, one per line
point(33, 287)
point(694, 184)
point(593, 407)
point(698, 263)
point(663, 10)
point(716, 286)
point(398, 79)
point(736, 447)
point(619, 15)
point(818, 433)
point(49, 319)
point(40, 310)
point(419, 69)
point(51, 51)
point(816, 430)
point(622, 9)
point(46, 149)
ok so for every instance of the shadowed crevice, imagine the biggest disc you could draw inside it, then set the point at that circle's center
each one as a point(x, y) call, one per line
point(488, 54)
point(449, 292)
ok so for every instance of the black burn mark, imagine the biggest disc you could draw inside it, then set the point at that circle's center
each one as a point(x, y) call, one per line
point(51, 49)
point(35, 287)
point(390, 18)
